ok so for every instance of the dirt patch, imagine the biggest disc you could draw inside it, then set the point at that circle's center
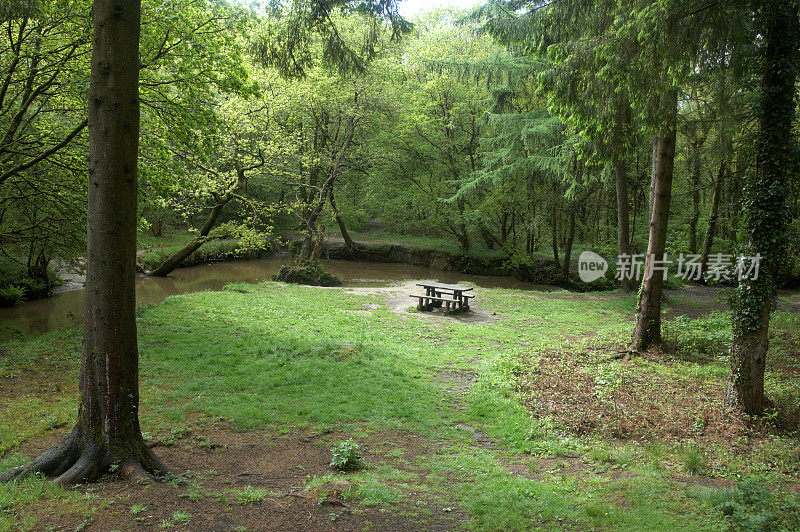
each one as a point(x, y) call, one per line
point(621, 401)
point(398, 300)
point(256, 479)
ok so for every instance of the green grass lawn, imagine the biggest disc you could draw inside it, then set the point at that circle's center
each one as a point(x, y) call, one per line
point(570, 437)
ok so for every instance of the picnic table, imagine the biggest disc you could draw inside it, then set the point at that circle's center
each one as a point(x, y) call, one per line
point(452, 296)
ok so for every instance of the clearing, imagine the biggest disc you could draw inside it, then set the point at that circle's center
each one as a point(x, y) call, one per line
point(519, 415)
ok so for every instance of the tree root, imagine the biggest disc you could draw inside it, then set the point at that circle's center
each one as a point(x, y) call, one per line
point(625, 356)
point(75, 462)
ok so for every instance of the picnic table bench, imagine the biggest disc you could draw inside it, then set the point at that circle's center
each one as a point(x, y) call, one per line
point(451, 296)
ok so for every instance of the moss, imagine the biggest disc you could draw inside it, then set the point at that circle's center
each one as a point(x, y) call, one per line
point(310, 273)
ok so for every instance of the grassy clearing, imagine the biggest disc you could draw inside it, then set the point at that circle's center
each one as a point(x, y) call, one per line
point(564, 436)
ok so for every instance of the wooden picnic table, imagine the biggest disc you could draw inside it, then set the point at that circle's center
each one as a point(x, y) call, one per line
point(452, 296)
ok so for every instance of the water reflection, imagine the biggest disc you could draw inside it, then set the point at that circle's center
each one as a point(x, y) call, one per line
point(66, 309)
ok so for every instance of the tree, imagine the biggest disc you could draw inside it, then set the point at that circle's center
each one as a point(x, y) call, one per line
point(648, 312)
point(584, 74)
point(765, 204)
point(43, 51)
point(107, 431)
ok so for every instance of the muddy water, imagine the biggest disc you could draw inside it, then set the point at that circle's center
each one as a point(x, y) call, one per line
point(66, 308)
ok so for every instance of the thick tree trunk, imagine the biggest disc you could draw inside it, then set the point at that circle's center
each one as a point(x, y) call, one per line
point(107, 432)
point(568, 246)
point(648, 315)
point(765, 203)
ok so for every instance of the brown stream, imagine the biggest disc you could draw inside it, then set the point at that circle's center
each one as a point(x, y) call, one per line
point(66, 308)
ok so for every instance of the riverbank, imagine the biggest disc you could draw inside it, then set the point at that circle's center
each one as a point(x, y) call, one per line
point(66, 309)
point(517, 416)
point(536, 269)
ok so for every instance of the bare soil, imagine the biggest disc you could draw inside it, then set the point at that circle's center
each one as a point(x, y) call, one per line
point(214, 463)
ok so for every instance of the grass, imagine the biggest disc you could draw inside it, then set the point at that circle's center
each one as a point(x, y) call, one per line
point(577, 440)
point(172, 237)
point(251, 495)
point(214, 251)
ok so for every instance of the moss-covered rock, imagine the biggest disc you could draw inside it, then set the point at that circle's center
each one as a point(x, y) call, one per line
point(310, 273)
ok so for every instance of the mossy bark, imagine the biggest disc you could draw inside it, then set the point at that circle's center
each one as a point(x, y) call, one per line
point(765, 206)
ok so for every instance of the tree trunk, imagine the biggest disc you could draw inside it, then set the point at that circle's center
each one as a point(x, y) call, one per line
point(348, 242)
point(554, 223)
point(166, 267)
point(695, 217)
point(765, 204)
point(712, 218)
point(568, 246)
point(623, 228)
point(648, 315)
point(307, 250)
point(621, 181)
point(107, 431)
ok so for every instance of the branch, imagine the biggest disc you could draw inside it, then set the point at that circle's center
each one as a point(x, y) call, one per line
point(45, 155)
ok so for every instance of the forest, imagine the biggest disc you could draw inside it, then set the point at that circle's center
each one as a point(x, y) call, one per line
point(213, 213)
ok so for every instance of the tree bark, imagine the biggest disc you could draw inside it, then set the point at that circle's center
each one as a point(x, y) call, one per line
point(695, 217)
point(621, 181)
point(765, 206)
point(554, 223)
point(348, 242)
point(173, 261)
point(712, 218)
point(568, 246)
point(648, 315)
point(107, 431)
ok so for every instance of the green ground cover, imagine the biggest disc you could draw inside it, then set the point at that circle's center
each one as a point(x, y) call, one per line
point(535, 423)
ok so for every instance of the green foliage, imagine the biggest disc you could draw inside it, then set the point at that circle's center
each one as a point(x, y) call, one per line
point(11, 295)
point(292, 33)
point(750, 506)
point(707, 336)
point(214, 251)
point(346, 455)
point(694, 459)
point(251, 495)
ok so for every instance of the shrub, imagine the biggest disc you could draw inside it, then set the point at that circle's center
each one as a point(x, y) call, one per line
point(11, 295)
point(346, 455)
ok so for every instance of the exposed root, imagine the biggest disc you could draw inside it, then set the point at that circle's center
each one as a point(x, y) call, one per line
point(625, 356)
point(87, 468)
point(74, 462)
point(52, 463)
point(132, 470)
